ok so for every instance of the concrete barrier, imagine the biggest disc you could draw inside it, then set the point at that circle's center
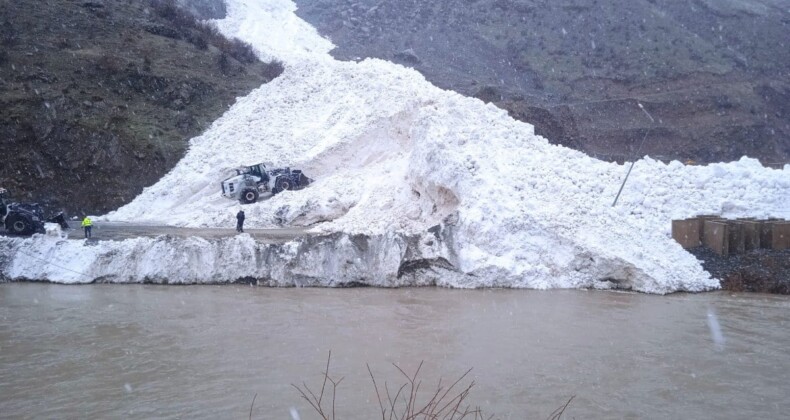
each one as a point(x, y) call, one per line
point(716, 237)
point(751, 234)
point(702, 218)
point(766, 235)
point(736, 243)
point(687, 232)
point(729, 237)
point(780, 235)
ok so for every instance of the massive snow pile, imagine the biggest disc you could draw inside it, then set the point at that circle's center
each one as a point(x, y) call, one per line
point(393, 154)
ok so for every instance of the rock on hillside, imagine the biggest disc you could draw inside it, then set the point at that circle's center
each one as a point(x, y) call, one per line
point(99, 99)
point(715, 75)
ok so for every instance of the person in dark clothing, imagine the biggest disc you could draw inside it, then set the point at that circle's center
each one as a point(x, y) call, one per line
point(240, 221)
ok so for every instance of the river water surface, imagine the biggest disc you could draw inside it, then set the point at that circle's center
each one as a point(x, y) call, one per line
point(134, 351)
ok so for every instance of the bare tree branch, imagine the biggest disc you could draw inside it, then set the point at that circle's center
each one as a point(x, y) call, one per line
point(253, 403)
point(557, 414)
point(378, 396)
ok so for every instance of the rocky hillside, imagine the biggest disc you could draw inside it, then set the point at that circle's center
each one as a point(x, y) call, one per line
point(99, 99)
point(714, 74)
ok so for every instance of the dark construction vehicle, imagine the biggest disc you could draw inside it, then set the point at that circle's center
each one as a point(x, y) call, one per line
point(250, 182)
point(25, 218)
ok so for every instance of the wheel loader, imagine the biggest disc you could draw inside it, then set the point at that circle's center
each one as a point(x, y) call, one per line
point(25, 218)
point(250, 182)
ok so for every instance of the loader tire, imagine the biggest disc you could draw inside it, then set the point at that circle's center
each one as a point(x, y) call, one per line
point(19, 225)
point(282, 184)
point(248, 195)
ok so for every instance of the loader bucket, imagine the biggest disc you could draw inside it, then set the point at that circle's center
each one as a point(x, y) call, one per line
point(59, 219)
point(304, 180)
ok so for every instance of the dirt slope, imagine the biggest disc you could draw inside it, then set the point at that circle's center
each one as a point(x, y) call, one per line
point(99, 99)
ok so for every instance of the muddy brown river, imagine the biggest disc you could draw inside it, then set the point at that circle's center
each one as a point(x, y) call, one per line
point(137, 351)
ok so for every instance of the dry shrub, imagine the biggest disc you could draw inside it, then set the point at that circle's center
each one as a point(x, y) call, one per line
point(446, 402)
point(169, 10)
point(235, 48)
point(208, 29)
point(198, 40)
point(201, 34)
point(403, 403)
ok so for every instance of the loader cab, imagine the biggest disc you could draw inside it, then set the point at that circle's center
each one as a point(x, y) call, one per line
point(257, 170)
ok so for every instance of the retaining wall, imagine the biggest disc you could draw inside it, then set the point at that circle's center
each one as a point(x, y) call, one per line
point(730, 237)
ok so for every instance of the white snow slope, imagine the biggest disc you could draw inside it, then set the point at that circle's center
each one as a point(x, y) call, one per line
point(392, 153)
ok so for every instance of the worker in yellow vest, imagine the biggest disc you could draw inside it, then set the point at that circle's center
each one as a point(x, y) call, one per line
point(87, 225)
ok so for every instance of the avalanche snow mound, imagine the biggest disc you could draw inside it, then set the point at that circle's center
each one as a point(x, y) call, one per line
point(392, 153)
